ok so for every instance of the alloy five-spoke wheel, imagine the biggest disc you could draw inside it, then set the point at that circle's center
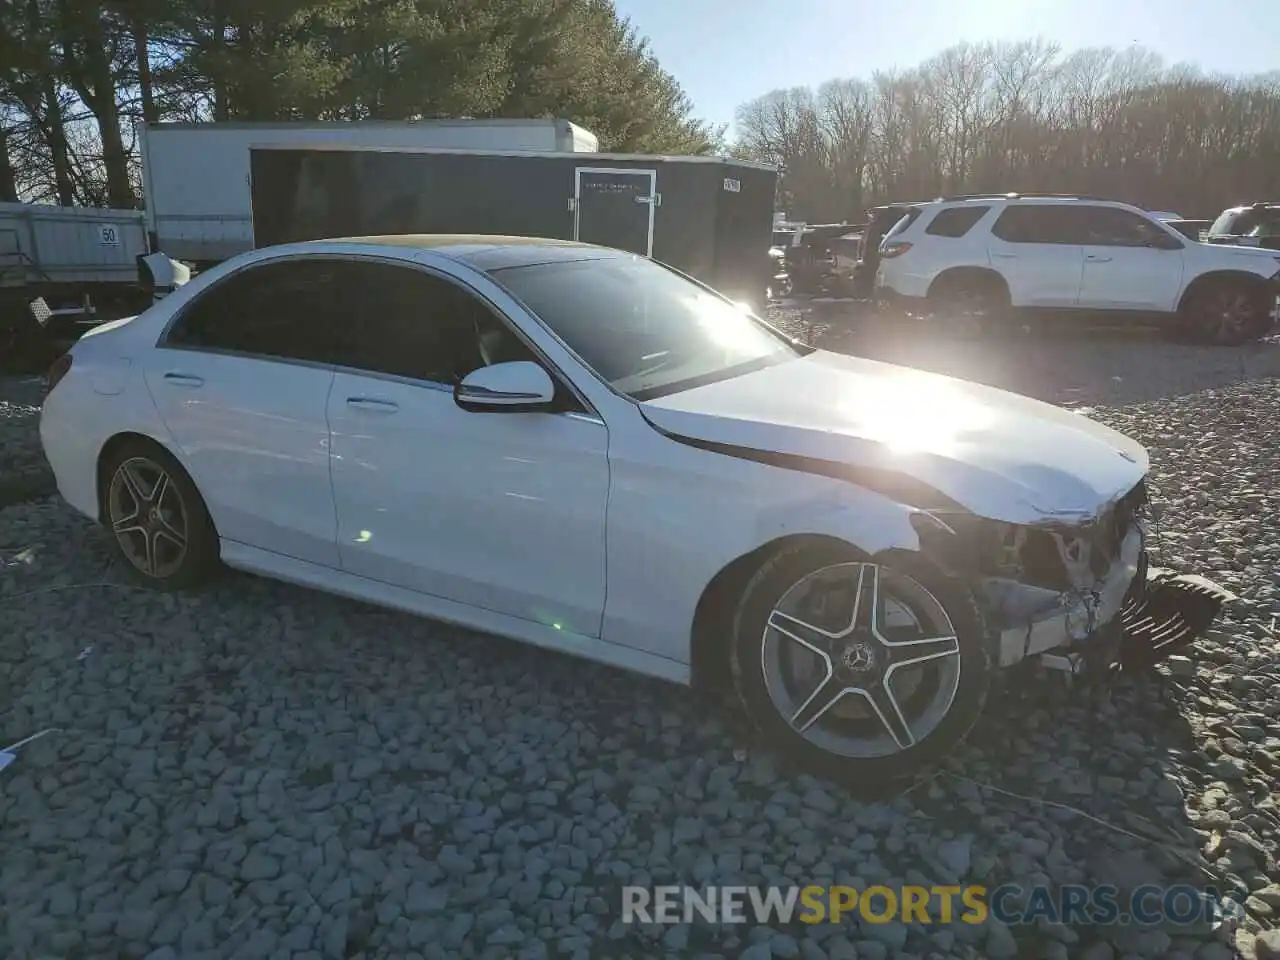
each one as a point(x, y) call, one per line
point(157, 517)
point(862, 668)
point(148, 517)
point(858, 670)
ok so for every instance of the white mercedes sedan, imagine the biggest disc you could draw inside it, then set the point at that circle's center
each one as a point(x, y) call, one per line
point(582, 449)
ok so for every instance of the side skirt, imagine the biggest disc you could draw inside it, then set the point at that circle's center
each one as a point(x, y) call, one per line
point(278, 567)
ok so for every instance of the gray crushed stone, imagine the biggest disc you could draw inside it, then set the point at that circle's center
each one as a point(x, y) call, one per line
point(256, 770)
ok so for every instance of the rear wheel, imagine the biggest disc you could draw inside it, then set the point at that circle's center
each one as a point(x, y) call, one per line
point(866, 672)
point(1227, 313)
point(159, 521)
point(971, 304)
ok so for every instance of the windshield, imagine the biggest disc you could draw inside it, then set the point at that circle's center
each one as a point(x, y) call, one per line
point(642, 328)
point(1263, 222)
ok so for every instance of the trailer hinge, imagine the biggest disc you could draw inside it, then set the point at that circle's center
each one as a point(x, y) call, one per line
point(573, 204)
point(656, 199)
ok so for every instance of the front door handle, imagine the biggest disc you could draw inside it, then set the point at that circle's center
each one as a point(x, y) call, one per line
point(1097, 258)
point(184, 380)
point(373, 404)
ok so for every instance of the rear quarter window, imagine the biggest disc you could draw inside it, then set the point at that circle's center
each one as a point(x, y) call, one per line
point(908, 218)
point(955, 222)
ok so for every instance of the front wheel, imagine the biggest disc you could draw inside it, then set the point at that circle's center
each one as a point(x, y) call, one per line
point(1227, 313)
point(866, 672)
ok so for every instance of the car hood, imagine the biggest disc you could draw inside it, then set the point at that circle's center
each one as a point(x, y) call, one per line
point(995, 453)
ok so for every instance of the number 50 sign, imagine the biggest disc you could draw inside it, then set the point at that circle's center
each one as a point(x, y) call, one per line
point(108, 235)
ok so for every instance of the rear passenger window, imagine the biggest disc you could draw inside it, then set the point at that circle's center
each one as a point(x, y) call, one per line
point(1036, 223)
point(289, 310)
point(955, 221)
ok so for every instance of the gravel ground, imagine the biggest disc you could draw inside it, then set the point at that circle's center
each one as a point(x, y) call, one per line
point(261, 771)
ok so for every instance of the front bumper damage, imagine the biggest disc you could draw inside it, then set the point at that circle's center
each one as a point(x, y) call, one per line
point(1128, 618)
point(1033, 620)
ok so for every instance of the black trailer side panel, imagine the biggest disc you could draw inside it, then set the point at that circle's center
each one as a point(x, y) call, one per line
point(695, 224)
point(743, 230)
point(684, 222)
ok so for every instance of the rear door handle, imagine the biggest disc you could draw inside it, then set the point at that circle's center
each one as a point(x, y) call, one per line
point(372, 404)
point(184, 380)
point(1096, 258)
point(1004, 256)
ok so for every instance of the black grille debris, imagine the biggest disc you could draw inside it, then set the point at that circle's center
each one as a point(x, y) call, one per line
point(1172, 611)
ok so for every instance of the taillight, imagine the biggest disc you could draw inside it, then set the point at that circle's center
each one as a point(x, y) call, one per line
point(894, 248)
point(61, 367)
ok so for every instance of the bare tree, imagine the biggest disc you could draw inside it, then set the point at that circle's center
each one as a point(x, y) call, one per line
point(1023, 116)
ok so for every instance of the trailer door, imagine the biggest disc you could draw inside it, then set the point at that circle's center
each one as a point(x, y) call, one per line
point(614, 208)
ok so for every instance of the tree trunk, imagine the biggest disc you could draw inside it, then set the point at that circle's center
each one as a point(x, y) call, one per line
point(56, 134)
point(142, 47)
point(89, 73)
point(221, 107)
point(8, 181)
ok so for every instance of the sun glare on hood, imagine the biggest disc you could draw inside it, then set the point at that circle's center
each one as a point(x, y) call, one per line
point(914, 413)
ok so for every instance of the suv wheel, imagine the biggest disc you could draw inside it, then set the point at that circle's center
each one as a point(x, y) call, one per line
point(1226, 313)
point(865, 672)
point(971, 304)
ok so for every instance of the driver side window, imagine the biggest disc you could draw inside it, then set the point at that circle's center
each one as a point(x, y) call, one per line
point(412, 324)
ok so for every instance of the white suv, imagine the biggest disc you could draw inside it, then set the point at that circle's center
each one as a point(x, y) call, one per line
point(985, 256)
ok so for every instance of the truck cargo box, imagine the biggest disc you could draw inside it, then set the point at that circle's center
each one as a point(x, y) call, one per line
point(195, 176)
point(45, 248)
point(709, 217)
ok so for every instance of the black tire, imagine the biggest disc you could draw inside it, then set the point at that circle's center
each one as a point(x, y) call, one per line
point(975, 303)
point(869, 774)
point(1226, 313)
point(133, 472)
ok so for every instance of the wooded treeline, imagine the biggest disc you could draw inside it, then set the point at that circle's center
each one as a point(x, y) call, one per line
point(1004, 117)
point(75, 76)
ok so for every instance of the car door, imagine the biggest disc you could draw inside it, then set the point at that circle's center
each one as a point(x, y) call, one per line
point(1130, 263)
point(1033, 248)
point(501, 511)
point(241, 379)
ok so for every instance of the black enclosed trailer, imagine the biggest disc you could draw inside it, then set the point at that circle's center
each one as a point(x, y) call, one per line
point(709, 217)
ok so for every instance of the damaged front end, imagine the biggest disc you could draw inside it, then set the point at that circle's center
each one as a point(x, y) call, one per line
point(1080, 596)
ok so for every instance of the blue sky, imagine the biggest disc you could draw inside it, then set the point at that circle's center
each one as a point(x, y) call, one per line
point(725, 52)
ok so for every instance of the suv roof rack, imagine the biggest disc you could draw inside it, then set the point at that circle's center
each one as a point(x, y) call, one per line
point(1262, 204)
point(1029, 195)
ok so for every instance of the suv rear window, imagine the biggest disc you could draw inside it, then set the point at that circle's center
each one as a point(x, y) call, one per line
point(1264, 222)
point(955, 221)
point(907, 220)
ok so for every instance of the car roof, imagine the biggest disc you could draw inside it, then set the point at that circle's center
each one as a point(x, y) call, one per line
point(486, 252)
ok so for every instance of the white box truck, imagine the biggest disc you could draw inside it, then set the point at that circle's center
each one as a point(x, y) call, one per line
point(195, 176)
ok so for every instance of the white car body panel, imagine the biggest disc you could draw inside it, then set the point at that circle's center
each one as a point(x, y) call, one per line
point(1131, 278)
point(1004, 456)
point(594, 533)
point(253, 436)
point(465, 505)
point(1038, 274)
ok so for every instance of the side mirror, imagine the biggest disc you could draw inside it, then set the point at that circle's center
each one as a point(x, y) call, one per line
point(517, 387)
